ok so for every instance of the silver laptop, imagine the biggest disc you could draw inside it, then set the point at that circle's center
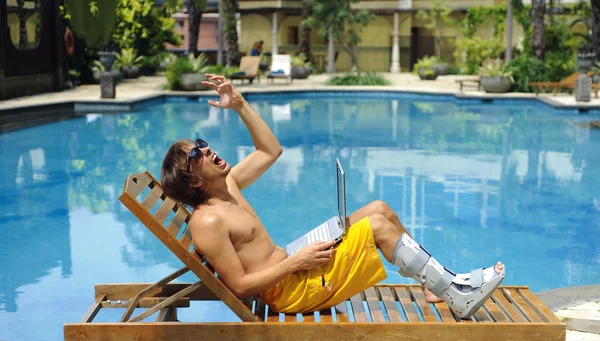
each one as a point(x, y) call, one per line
point(333, 229)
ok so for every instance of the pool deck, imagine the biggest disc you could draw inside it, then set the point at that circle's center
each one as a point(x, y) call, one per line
point(579, 307)
point(131, 91)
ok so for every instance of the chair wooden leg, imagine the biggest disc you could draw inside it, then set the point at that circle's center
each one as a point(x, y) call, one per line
point(167, 302)
point(151, 291)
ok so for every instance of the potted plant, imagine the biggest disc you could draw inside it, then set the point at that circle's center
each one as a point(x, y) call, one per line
point(129, 62)
point(192, 81)
point(440, 67)
point(300, 67)
point(187, 73)
point(586, 57)
point(425, 68)
point(494, 78)
point(98, 68)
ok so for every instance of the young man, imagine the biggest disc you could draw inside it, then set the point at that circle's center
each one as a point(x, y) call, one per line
point(228, 232)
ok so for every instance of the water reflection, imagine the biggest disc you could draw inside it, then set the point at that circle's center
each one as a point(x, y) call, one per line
point(34, 192)
point(472, 182)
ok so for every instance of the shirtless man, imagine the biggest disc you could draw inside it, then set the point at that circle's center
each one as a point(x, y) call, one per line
point(229, 233)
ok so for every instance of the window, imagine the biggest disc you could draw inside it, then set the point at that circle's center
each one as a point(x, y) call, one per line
point(292, 35)
point(24, 23)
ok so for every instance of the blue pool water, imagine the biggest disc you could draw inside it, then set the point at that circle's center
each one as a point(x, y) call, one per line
point(473, 182)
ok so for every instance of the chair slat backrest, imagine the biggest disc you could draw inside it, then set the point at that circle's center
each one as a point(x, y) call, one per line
point(249, 64)
point(281, 62)
point(141, 205)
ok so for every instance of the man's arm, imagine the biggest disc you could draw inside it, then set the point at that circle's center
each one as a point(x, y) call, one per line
point(267, 146)
point(212, 240)
point(267, 150)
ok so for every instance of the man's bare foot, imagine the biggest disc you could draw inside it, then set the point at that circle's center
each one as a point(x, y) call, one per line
point(431, 298)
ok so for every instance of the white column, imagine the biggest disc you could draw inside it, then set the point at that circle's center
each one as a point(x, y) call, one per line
point(275, 49)
point(395, 67)
point(330, 52)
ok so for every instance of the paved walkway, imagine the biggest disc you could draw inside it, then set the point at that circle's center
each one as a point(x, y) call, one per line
point(563, 301)
point(143, 87)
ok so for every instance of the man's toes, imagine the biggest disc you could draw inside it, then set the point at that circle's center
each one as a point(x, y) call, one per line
point(499, 267)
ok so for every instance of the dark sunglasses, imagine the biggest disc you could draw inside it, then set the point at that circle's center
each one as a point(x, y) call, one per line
point(196, 153)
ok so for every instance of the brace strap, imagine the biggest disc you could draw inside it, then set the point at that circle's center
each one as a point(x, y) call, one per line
point(477, 278)
point(415, 265)
point(442, 284)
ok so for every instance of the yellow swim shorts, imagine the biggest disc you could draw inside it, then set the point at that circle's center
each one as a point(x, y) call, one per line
point(354, 267)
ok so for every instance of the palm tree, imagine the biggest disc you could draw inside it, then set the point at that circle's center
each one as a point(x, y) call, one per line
point(230, 29)
point(195, 9)
point(538, 10)
point(306, 30)
point(596, 26)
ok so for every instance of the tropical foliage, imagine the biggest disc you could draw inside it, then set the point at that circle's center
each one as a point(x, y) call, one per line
point(145, 27)
point(344, 22)
point(358, 79)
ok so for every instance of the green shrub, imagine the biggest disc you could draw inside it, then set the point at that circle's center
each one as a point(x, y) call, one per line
point(361, 79)
point(477, 50)
point(175, 70)
point(525, 69)
point(426, 63)
point(220, 69)
point(454, 70)
point(128, 57)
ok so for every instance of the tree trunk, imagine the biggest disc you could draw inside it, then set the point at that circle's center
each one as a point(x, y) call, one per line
point(194, 19)
point(305, 40)
point(537, 13)
point(230, 28)
point(596, 26)
point(353, 57)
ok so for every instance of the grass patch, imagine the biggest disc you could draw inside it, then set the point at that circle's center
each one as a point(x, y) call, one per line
point(360, 79)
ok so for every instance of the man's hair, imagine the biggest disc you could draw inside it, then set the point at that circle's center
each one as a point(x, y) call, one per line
point(176, 181)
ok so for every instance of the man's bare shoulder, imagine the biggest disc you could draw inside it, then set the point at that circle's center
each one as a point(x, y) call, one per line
point(207, 219)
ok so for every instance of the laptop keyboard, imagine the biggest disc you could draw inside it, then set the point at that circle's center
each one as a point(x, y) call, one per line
point(320, 234)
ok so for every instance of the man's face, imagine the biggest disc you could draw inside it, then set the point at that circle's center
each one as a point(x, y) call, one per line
point(210, 165)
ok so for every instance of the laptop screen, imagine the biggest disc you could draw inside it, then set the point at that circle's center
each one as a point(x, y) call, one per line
point(341, 192)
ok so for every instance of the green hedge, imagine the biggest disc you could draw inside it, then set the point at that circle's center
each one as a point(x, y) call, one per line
point(360, 79)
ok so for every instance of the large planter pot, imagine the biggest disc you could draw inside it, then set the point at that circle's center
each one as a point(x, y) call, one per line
point(263, 66)
point(585, 61)
point(131, 71)
point(441, 69)
point(192, 82)
point(427, 74)
point(495, 84)
point(107, 59)
point(300, 72)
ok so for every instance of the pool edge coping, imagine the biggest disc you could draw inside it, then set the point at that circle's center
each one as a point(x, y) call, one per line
point(128, 104)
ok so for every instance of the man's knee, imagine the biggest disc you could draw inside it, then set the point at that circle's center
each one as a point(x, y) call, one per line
point(381, 207)
point(378, 223)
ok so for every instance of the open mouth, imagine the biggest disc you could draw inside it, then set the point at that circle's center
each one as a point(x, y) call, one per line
point(218, 161)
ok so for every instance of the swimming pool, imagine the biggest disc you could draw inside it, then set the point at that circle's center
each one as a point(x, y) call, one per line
point(473, 182)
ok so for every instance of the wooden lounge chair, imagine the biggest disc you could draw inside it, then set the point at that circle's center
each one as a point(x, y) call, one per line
point(470, 81)
point(383, 312)
point(281, 67)
point(568, 83)
point(248, 69)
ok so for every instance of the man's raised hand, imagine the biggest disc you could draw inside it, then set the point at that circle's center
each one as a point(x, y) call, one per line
point(230, 97)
